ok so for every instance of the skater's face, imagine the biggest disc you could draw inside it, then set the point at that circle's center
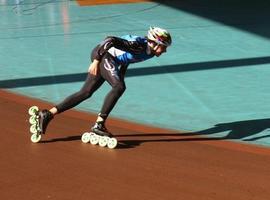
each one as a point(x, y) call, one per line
point(159, 49)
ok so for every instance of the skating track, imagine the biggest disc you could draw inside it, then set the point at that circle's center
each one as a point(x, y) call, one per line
point(150, 163)
point(193, 124)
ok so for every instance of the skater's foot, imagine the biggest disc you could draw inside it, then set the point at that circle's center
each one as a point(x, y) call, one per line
point(45, 117)
point(100, 129)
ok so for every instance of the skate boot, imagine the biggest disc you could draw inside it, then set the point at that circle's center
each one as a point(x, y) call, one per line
point(45, 117)
point(100, 135)
point(38, 122)
point(100, 129)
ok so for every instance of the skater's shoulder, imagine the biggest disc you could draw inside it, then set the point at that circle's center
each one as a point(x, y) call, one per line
point(134, 38)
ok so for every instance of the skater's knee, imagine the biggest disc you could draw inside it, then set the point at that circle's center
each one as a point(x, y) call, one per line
point(119, 88)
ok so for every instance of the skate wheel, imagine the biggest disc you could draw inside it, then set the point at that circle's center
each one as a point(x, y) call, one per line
point(94, 139)
point(33, 119)
point(103, 141)
point(35, 138)
point(86, 137)
point(112, 143)
point(33, 110)
point(33, 128)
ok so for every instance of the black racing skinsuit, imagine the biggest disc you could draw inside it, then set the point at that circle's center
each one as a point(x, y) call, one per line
point(110, 70)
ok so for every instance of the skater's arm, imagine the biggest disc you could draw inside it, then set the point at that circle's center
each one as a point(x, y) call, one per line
point(93, 68)
point(119, 43)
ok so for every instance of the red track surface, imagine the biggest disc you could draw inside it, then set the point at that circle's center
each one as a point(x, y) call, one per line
point(150, 163)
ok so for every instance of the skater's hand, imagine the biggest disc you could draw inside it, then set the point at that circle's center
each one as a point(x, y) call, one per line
point(93, 68)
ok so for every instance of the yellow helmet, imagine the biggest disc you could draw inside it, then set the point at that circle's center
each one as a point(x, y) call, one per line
point(159, 36)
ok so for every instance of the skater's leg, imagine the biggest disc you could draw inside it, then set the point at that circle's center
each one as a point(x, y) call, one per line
point(91, 84)
point(118, 88)
point(109, 103)
point(109, 71)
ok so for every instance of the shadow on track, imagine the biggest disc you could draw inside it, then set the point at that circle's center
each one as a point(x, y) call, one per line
point(239, 130)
